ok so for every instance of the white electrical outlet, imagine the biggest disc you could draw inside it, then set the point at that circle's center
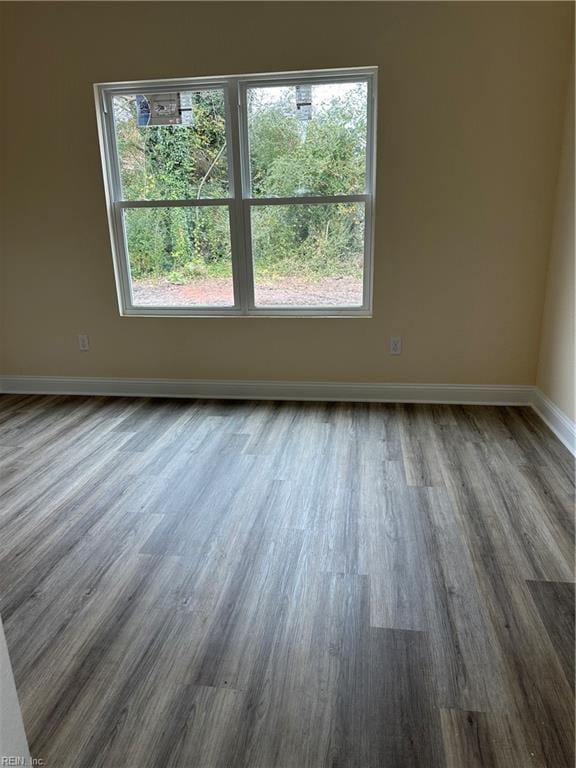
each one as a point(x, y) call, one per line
point(84, 342)
point(395, 345)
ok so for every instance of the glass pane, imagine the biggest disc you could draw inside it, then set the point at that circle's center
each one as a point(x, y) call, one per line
point(308, 255)
point(307, 139)
point(172, 145)
point(180, 256)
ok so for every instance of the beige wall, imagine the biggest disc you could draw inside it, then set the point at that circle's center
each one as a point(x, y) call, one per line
point(470, 116)
point(556, 365)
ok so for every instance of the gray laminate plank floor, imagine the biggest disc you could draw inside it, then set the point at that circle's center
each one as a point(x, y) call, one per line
point(287, 585)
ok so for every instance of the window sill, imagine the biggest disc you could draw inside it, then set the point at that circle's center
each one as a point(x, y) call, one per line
point(236, 313)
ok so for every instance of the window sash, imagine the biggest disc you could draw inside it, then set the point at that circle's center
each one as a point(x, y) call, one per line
point(240, 200)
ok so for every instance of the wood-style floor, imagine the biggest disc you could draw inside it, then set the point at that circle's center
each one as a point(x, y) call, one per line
point(287, 585)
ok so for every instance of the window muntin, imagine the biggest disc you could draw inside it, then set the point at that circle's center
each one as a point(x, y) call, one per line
point(221, 256)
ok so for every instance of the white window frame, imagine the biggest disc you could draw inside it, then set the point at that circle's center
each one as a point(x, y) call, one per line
point(239, 201)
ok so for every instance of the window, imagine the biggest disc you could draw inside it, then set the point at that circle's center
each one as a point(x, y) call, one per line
point(244, 195)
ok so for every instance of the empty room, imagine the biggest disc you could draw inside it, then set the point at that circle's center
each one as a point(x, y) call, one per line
point(287, 419)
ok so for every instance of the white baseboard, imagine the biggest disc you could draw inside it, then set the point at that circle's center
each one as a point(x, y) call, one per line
point(471, 394)
point(273, 390)
point(562, 426)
